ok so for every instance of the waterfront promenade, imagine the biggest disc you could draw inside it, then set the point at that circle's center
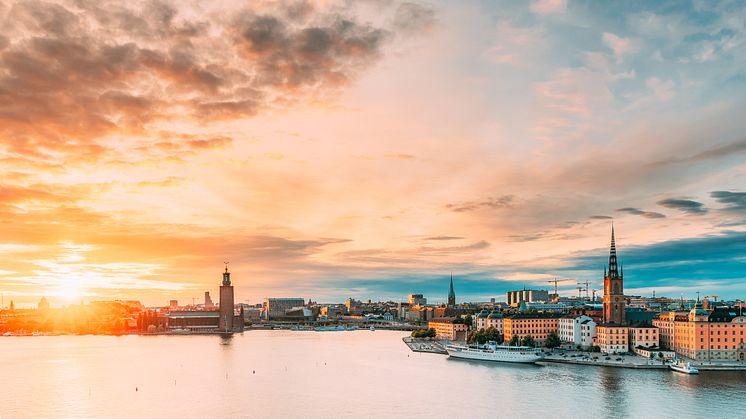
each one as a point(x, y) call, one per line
point(583, 358)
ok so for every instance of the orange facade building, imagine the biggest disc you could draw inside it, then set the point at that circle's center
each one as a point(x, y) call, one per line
point(534, 325)
point(704, 335)
point(449, 328)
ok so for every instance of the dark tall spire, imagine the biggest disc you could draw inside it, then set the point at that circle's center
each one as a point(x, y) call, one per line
point(613, 271)
point(451, 293)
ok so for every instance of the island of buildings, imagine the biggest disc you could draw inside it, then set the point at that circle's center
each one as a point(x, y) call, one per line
point(703, 330)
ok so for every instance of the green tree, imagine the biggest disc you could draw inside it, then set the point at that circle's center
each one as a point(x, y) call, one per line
point(528, 340)
point(514, 341)
point(553, 341)
point(468, 321)
point(424, 333)
point(494, 335)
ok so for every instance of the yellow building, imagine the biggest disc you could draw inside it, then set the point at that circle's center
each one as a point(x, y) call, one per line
point(534, 325)
point(448, 328)
point(612, 339)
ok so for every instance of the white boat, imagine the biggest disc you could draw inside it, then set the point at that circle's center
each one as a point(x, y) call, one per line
point(339, 328)
point(498, 353)
point(684, 367)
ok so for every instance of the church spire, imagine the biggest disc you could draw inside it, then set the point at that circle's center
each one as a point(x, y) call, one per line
point(613, 271)
point(451, 293)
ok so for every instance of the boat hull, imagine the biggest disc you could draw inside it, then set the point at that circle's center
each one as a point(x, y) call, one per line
point(496, 356)
point(684, 370)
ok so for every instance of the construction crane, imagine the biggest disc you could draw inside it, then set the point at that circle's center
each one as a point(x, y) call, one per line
point(580, 290)
point(555, 281)
point(594, 295)
point(586, 283)
point(706, 301)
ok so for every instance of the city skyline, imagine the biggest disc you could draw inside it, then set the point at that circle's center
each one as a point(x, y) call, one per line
point(368, 149)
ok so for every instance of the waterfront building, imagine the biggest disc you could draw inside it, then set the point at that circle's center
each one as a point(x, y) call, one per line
point(417, 300)
point(480, 320)
point(702, 335)
point(643, 337)
point(515, 298)
point(226, 303)
point(451, 294)
point(656, 353)
point(299, 314)
point(570, 328)
point(495, 319)
point(275, 308)
point(612, 336)
point(538, 326)
point(208, 300)
point(449, 328)
point(193, 320)
point(612, 339)
point(667, 323)
point(587, 333)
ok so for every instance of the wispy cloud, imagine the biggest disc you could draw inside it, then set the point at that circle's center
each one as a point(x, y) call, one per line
point(686, 205)
point(734, 201)
point(646, 214)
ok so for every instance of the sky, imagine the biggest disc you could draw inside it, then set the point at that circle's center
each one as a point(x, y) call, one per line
point(369, 148)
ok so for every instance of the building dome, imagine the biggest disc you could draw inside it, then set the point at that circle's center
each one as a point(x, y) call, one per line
point(698, 312)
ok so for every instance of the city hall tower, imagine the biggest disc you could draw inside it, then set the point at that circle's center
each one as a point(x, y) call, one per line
point(225, 323)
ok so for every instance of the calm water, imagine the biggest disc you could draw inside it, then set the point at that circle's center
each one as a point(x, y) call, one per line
point(327, 374)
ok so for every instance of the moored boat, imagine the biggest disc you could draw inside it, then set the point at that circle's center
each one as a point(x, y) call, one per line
point(497, 353)
point(339, 328)
point(683, 367)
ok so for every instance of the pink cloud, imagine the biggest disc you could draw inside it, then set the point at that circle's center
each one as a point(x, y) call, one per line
point(548, 6)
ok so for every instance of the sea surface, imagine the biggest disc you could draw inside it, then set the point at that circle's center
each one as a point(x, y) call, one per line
point(361, 374)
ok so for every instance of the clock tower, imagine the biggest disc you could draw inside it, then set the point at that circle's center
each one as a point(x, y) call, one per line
point(225, 322)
